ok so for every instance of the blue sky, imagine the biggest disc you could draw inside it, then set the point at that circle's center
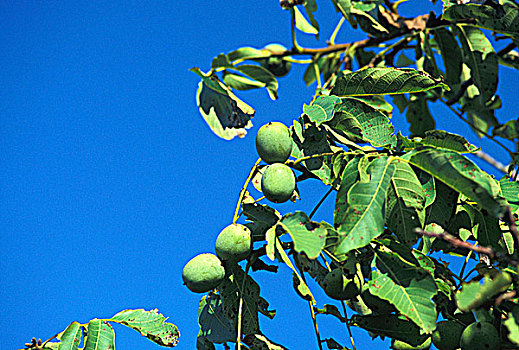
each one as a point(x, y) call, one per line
point(111, 180)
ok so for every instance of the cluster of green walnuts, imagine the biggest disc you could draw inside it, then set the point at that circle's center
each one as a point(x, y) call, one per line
point(206, 271)
point(234, 243)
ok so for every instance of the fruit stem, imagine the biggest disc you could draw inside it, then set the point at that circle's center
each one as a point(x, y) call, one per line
point(240, 307)
point(348, 324)
point(244, 189)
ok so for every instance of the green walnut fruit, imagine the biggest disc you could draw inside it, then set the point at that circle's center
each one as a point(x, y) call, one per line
point(203, 273)
point(447, 335)
point(400, 345)
point(276, 65)
point(339, 287)
point(273, 143)
point(480, 336)
point(234, 243)
point(278, 183)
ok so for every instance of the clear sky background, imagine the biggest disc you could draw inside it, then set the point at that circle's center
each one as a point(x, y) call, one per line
point(111, 181)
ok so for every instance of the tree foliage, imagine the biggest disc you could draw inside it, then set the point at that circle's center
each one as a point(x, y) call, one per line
point(402, 203)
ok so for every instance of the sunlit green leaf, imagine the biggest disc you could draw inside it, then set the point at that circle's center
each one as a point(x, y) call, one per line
point(360, 122)
point(100, 336)
point(150, 324)
point(407, 287)
point(384, 81)
point(261, 75)
point(226, 115)
point(512, 324)
point(474, 294)
point(70, 338)
point(510, 191)
point(498, 18)
point(308, 237)
point(302, 24)
point(362, 219)
point(405, 203)
point(321, 110)
point(459, 173)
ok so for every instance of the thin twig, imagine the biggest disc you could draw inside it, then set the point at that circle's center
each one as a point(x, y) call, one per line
point(319, 342)
point(348, 324)
point(244, 189)
point(456, 242)
point(240, 307)
point(491, 160)
point(506, 49)
point(510, 220)
point(335, 31)
point(320, 202)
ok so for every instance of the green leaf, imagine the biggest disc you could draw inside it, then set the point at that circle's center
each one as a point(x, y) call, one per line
point(407, 287)
point(498, 18)
point(221, 61)
point(344, 7)
point(480, 58)
point(300, 285)
point(214, 324)
point(405, 203)
point(484, 227)
point(428, 186)
point(510, 191)
point(474, 294)
point(310, 9)
point(459, 173)
point(363, 218)
point(419, 116)
point(239, 82)
point(512, 323)
point(302, 24)
point(509, 59)
point(247, 53)
point(316, 142)
point(231, 290)
point(150, 324)
point(377, 102)
point(360, 122)
point(308, 237)
point(365, 14)
point(439, 139)
point(444, 205)
point(100, 336)
point(226, 115)
point(70, 338)
point(263, 216)
point(508, 130)
point(384, 81)
point(390, 326)
point(261, 75)
point(451, 55)
point(260, 342)
point(321, 110)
